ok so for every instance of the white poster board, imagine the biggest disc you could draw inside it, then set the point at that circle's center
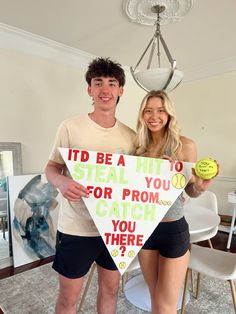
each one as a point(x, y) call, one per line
point(129, 195)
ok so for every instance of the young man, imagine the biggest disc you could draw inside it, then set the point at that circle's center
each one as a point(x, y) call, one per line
point(78, 241)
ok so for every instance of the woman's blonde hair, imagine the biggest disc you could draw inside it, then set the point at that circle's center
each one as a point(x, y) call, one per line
point(171, 140)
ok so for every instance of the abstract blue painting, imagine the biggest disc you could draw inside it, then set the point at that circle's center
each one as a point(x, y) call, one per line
point(33, 212)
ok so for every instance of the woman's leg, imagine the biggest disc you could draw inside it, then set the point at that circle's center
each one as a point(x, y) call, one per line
point(149, 260)
point(170, 281)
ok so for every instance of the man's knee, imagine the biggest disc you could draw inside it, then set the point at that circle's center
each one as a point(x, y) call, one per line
point(110, 289)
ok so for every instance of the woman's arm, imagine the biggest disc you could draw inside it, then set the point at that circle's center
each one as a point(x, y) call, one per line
point(196, 186)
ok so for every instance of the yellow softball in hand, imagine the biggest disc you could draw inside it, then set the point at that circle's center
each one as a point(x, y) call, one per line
point(206, 168)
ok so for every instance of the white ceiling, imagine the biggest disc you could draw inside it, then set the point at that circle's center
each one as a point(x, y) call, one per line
point(203, 43)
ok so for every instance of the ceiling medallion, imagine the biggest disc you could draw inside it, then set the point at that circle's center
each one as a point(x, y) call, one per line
point(139, 11)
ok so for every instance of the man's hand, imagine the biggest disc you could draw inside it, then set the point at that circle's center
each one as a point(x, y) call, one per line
point(71, 190)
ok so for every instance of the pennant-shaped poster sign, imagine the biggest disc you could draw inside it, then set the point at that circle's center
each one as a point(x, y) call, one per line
point(129, 195)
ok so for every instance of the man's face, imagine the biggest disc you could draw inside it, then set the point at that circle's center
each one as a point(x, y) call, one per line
point(105, 92)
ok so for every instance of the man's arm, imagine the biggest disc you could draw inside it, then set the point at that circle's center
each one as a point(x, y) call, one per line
point(69, 188)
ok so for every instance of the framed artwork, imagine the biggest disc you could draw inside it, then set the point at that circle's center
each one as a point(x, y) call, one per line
point(11, 159)
point(34, 214)
point(10, 164)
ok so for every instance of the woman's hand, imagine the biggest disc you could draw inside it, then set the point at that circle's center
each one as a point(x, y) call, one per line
point(197, 185)
point(200, 185)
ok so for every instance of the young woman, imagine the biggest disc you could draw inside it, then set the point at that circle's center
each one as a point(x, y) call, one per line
point(164, 257)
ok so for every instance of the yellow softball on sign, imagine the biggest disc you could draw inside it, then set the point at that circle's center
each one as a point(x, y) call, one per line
point(114, 253)
point(122, 265)
point(131, 253)
point(178, 180)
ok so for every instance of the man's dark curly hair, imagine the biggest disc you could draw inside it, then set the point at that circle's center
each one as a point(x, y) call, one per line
point(106, 68)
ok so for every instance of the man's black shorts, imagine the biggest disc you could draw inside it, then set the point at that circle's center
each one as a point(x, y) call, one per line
point(75, 255)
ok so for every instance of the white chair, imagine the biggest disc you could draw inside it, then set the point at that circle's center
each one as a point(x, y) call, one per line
point(232, 228)
point(213, 263)
point(207, 199)
point(232, 199)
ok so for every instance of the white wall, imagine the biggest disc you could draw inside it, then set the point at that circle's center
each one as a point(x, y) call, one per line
point(36, 95)
point(207, 112)
point(38, 92)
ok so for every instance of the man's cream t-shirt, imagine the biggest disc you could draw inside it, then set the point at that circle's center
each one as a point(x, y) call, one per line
point(83, 133)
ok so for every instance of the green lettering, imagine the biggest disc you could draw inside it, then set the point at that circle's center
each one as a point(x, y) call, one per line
point(79, 171)
point(100, 173)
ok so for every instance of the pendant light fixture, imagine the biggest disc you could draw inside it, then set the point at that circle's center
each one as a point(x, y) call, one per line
point(140, 11)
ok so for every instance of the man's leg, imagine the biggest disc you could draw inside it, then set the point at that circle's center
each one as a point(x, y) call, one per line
point(108, 283)
point(69, 293)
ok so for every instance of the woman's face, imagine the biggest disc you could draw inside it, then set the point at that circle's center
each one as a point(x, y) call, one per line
point(155, 115)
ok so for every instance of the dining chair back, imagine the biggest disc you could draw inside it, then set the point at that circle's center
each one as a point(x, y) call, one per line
point(216, 264)
point(207, 199)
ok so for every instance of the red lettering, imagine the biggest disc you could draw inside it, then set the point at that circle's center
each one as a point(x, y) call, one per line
point(166, 185)
point(125, 193)
point(107, 237)
point(131, 239)
point(75, 152)
point(148, 181)
point(135, 195)
point(124, 239)
point(108, 160)
point(104, 158)
point(115, 224)
point(157, 183)
point(121, 161)
point(107, 192)
point(130, 227)
point(178, 166)
point(99, 192)
point(100, 158)
point(69, 154)
point(153, 197)
point(139, 241)
point(84, 156)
